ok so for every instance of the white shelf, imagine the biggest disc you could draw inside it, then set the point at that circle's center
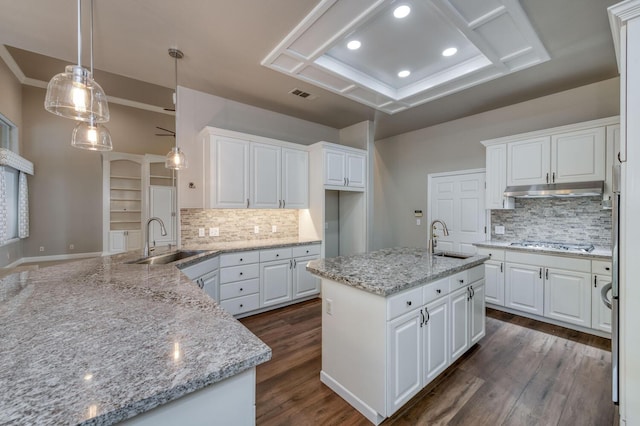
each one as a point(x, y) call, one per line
point(126, 199)
point(125, 221)
point(126, 211)
point(125, 189)
point(160, 177)
point(126, 177)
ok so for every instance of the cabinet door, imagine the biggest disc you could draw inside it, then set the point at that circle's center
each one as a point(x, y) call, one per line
point(133, 240)
point(600, 313)
point(304, 283)
point(334, 168)
point(494, 282)
point(567, 296)
point(211, 285)
point(477, 314)
point(229, 180)
point(356, 170)
point(612, 148)
point(529, 161)
point(117, 241)
point(295, 178)
point(266, 175)
point(435, 339)
point(578, 156)
point(404, 357)
point(524, 288)
point(275, 282)
point(162, 204)
point(497, 178)
point(459, 302)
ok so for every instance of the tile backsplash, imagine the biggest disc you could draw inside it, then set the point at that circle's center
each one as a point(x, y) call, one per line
point(237, 224)
point(579, 220)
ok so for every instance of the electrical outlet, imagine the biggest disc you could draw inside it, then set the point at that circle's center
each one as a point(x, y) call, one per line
point(326, 225)
point(200, 232)
point(256, 229)
point(214, 232)
point(71, 247)
point(274, 228)
point(329, 306)
point(499, 230)
point(41, 248)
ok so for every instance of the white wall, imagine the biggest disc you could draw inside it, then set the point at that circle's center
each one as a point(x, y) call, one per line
point(402, 163)
point(197, 110)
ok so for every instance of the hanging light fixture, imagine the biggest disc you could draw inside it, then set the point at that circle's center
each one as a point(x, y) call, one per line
point(74, 93)
point(176, 159)
point(91, 135)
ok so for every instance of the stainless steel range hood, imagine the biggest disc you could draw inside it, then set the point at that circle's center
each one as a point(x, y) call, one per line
point(577, 189)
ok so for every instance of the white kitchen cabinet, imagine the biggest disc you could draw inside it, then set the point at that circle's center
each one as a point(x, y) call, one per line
point(405, 358)
point(529, 161)
point(524, 288)
point(477, 312)
point(578, 156)
point(345, 169)
point(567, 296)
point(435, 339)
point(295, 178)
point(496, 178)
point(210, 284)
point(613, 149)
point(494, 282)
point(600, 313)
point(304, 283)
point(266, 176)
point(276, 282)
point(120, 241)
point(227, 162)
point(459, 301)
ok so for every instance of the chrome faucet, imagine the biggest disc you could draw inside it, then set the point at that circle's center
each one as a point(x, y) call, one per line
point(433, 239)
point(163, 232)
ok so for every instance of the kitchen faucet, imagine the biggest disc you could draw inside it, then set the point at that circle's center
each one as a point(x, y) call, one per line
point(163, 232)
point(433, 239)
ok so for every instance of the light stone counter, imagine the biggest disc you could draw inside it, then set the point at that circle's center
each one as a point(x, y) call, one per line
point(599, 253)
point(97, 341)
point(388, 271)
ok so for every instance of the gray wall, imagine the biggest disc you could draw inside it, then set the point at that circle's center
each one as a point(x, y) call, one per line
point(10, 107)
point(402, 163)
point(65, 195)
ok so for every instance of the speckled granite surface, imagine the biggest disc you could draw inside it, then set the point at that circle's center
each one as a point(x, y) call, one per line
point(390, 271)
point(97, 341)
point(252, 245)
point(599, 253)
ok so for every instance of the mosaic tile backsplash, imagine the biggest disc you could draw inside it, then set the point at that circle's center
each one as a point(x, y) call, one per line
point(571, 220)
point(237, 224)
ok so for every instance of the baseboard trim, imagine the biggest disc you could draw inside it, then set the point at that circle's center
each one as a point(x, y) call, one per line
point(371, 414)
point(55, 257)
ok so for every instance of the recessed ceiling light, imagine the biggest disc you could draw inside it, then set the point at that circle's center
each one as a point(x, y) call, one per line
point(450, 51)
point(401, 11)
point(354, 45)
point(404, 73)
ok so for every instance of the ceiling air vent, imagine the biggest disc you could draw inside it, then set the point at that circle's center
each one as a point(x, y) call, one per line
point(302, 94)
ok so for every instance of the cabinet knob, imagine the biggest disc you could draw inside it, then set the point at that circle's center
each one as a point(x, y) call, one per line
point(240, 273)
point(438, 291)
point(241, 305)
point(607, 268)
point(277, 255)
point(408, 302)
point(240, 288)
point(241, 259)
point(461, 281)
point(308, 252)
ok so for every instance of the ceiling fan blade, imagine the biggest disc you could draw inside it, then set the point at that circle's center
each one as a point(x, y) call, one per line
point(170, 109)
point(166, 130)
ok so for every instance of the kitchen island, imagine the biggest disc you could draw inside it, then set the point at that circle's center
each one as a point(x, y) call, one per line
point(99, 341)
point(393, 320)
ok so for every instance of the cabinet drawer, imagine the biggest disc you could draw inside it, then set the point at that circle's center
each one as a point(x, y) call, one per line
point(201, 268)
point(600, 267)
point(275, 254)
point(242, 304)
point(458, 280)
point(494, 254)
point(476, 273)
point(310, 250)
point(239, 288)
point(434, 290)
point(239, 258)
point(404, 302)
point(239, 273)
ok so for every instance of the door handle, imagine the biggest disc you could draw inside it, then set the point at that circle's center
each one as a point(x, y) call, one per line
point(603, 295)
point(553, 177)
point(501, 266)
point(546, 274)
point(595, 281)
point(279, 204)
point(540, 274)
point(428, 316)
point(247, 203)
point(421, 318)
point(547, 177)
point(283, 204)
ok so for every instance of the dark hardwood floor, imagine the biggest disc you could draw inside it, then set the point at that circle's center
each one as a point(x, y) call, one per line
point(523, 372)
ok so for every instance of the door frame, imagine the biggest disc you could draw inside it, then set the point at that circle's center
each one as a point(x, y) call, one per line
point(430, 176)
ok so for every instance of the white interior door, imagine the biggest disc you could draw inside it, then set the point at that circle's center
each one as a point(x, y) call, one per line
point(458, 200)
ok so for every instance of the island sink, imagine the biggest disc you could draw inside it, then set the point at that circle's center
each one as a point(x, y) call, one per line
point(163, 259)
point(452, 254)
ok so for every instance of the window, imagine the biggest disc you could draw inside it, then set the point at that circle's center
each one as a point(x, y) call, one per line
point(8, 134)
point(9, 140)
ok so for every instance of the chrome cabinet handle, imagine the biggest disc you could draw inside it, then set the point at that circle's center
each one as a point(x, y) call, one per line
point(553, 177)
point(603, 295)
point(428, 316)
point(540, 274)
point(546, 274)
point(421, 318)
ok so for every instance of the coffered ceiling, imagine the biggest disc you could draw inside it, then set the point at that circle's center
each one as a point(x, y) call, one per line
point(515, 50)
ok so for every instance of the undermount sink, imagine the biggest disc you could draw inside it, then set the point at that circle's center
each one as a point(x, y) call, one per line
point(452, 254)
point(163, 259)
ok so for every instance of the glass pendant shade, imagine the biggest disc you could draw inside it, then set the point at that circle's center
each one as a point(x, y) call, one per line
point(74, 94)
point(91, 136)
point(175, 159)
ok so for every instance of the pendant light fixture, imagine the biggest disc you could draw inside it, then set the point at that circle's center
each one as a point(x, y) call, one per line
point(176, 159)
point(91, 135)
point(74, 93)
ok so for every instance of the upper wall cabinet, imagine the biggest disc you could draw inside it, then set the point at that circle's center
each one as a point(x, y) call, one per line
point(345, 169)
point(496, 180)
point(246, 171)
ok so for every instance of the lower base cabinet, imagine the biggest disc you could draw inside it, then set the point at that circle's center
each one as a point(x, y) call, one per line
point(120, 241)
point(524, 288)
point(435, 346)
point(600, 313)
point(405, 336)
point(276, 282)
point(567, 296)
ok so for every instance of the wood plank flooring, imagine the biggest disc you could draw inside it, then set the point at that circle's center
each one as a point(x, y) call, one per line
point(523, 372)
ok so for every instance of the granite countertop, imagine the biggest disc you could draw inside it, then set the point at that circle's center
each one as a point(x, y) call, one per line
point(598, 253)
point(389, 271)
point(97, 341)
point(252, 244)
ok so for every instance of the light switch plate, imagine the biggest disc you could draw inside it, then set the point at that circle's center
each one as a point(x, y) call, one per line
point(274, 228)
point(256, 229)
point(200, 232)
point(499, 230)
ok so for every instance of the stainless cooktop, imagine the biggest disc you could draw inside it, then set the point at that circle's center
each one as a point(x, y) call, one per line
point(587, 248)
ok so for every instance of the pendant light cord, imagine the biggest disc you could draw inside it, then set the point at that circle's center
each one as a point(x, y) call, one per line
point(79, 33)
point(91, 39)
point(175, 104)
